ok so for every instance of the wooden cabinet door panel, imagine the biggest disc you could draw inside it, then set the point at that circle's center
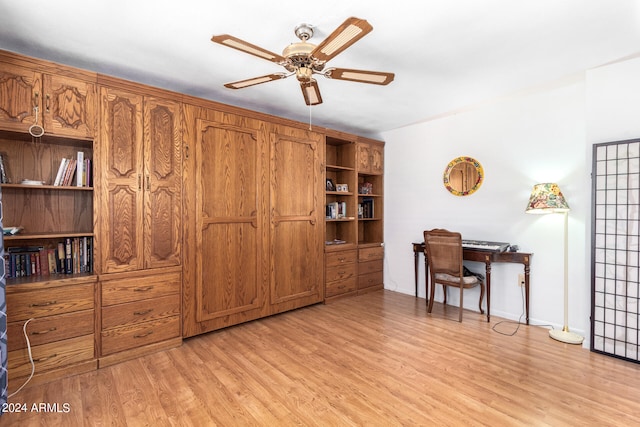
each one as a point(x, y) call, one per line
point(122, 179)
point(162, 183)
point(20, 91)
point(229, 216)
point(297, 242)
point(69, 106)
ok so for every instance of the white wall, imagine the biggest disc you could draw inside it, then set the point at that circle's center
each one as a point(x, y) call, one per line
point(541, 135)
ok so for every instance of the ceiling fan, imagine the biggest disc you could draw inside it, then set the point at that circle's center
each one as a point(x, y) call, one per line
point(304, 59)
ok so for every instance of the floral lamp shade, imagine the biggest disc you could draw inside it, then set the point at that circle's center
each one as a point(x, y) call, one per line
point(547, 198)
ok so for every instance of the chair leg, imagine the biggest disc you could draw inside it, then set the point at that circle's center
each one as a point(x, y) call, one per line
point(432, 292)
point(460, 309)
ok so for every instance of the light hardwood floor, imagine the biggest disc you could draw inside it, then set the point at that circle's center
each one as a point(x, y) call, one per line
point(373, 360)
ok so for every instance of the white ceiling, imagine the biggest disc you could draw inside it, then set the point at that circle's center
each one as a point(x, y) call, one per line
point(447, 54)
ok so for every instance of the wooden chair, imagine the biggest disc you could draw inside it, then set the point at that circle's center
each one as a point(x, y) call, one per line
point(443, 256)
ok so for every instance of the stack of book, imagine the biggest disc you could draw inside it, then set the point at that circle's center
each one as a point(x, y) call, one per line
point(71, 256)
point(74, 171)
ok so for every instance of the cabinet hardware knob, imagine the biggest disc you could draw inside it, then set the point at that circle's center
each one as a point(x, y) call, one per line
point(148, 183)
point(139, 182)
point(48, 98)
point(43, 304)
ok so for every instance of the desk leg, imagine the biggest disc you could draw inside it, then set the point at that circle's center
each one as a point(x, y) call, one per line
point(488, 271)
point(415, 270)
point(526, 291)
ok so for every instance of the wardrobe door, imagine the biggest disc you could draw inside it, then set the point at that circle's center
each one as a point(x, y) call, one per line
point(296, 219)
point(226, 274)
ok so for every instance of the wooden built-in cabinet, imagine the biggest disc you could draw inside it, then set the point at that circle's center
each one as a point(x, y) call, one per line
point(140, 211)
point(140, 313)
point(198, 216)
point(253, 209)
point(141, 181)
point(49, 299)
point(354, 238)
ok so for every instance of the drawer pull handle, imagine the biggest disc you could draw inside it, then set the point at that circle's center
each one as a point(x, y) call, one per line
point(342, 286)
point(146, 334)
point(43, 304)
point(44, 359)
point(43, 332)
point(145, 289)
point(143, 312)
point(342, 259)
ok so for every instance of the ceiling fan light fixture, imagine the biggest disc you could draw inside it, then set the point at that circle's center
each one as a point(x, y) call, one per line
point(310, 92)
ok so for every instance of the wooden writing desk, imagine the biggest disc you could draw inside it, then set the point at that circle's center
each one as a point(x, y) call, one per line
point(487, 257)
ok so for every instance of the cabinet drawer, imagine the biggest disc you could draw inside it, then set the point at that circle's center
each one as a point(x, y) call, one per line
point(340, 287)
point(51, 355)
point(140, 311)
point(119, 291)
point(126, 337)
point(339, 258)
point(340, 272)
point(371, 279)
point(49, 329)
point(369, 267)
point(367, 254)
point(49, 302)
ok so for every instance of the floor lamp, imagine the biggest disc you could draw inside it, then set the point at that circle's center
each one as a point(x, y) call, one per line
point(547, 198)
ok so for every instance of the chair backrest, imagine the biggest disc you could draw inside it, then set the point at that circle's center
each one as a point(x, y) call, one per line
point(444, 251)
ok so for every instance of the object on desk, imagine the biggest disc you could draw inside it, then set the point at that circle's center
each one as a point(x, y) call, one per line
point(513, 248)
point(484, 245)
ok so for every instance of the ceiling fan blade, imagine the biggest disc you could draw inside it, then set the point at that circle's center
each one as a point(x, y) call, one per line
point(241, 45)
point(256, 81)
point(351, 30)
point(362, 76)
point(311, 92)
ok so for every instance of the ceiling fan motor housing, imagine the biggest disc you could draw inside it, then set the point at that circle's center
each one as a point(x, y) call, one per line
point(298, 56)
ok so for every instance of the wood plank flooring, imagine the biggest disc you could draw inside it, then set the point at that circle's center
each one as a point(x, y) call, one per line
point(374, 360)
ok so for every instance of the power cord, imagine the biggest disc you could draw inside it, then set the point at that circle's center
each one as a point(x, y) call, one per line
point(33, 365)
point(518, 323)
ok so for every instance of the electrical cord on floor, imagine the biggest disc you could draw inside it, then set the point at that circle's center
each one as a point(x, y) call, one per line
point(33, 365)
point(518, 323)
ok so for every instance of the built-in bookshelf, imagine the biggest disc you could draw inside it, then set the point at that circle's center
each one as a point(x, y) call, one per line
point(370, 208)
point(340, 197)
point(48, 221)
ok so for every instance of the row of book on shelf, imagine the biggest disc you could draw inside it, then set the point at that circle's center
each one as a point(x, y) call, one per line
point(76, 171)
point(338, 210)
point(71, 256)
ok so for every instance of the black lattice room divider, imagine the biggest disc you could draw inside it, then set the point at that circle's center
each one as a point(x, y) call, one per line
point(615, 306)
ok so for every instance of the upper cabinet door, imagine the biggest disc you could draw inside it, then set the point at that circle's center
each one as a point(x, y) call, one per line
point(69, 106)
point(65, 106)
point(20, 93)
point(121, 177)
point(162, 183)
point(370, 158)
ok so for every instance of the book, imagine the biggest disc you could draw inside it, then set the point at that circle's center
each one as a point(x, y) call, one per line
point(80, 178)
point(61, 169)
point(3, 171)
